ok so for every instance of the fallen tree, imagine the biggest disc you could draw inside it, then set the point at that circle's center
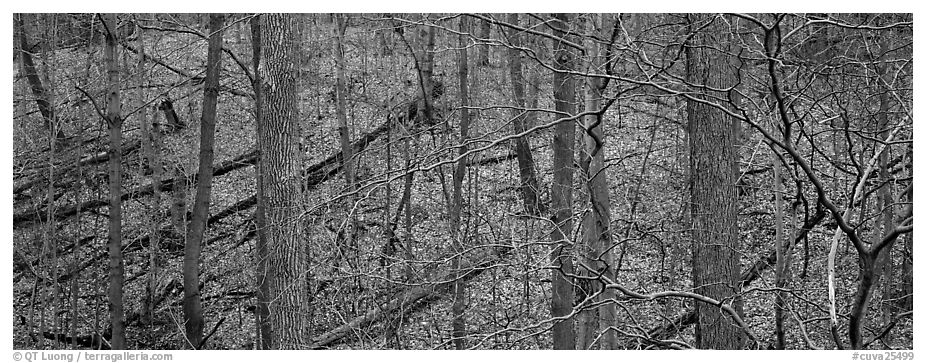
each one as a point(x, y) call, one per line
point(438, 282)
point(315, 173)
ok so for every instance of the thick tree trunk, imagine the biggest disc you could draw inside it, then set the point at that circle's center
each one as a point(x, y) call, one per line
point(714, 233)
point(596, 233)
point(192, 301)
point(264, 331)
point(281, 160)
point(529, 186)
point(561, 191)
point(114, 121)
point(485, 31)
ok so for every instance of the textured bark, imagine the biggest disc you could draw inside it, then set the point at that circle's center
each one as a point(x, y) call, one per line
point(596, 233)
point(712, 155)
point(281, 158)
point(114, 121)
point(886, 206)
point(456, 207)
point(529, 186)
point(561, 191)
point(485, 31)
point(264, 331)
point(192, 301)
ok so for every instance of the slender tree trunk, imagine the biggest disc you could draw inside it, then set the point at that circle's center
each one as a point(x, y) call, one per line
point(406, 202)
point(426, 71)
point(281, 159)
point(561, 191)
point(151, 146)
point(348, 244)
point(456, 207)
point(783, 259)
point(886, 204)
point(714, 233)
point(114, 121)
point(192, 301)
point(529, 185)
point(907, 270)
point(264, 331)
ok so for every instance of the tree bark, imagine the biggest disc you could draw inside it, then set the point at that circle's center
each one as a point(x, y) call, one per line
point(485, 31)
point(281, 158)
point(425, 72)
point(886, 206)
point(192, 301)
point(596, 236)
point(456, 207)
point(529, 185)
point(114, 121)
point(783, 256)
point(561, 191)
point(712, 155)
point(264, 331)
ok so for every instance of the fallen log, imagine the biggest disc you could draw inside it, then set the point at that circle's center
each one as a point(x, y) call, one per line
point(432, 289)
point(94, 341)
point(330, 166)
point(64, 167)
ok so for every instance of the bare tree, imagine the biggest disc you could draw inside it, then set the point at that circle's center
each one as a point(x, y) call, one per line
point(114, 121)
point(192, 301)
point(561, 191)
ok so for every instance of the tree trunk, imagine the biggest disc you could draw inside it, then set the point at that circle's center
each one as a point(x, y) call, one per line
point(783, 258)
point(192, 301)
point(485, 31)
point(907, 272)
point(596, 236)
point(886, 206)
point(264, 331)
point(178, 206)
point(281, 159)
point(714, 233)
point(114, 121)
point(529, 185)
point(150, 146)
point(348, 246)
point(456, 207)
point(425, 73)
point(561, 191)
